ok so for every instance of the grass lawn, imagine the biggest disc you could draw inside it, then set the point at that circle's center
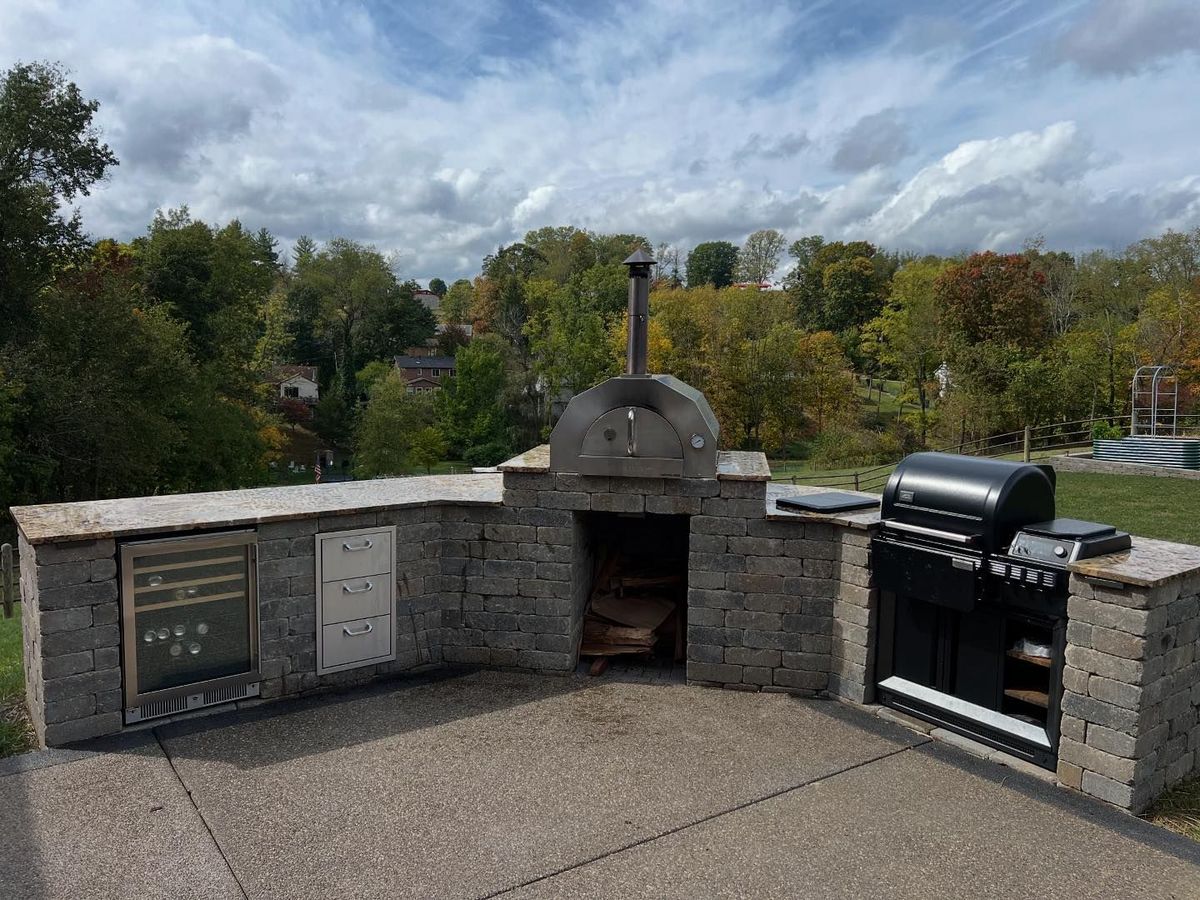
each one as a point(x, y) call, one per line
point(15, 734)
point(1179, 809)
point(1162, 508)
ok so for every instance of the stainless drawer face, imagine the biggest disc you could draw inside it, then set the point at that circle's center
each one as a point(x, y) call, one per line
point(356, 598)
point(357, 641)
point(356, 554)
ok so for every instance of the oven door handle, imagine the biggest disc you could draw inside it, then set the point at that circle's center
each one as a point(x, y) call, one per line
point(631, 443)
point(952, 536)
point(365, 545)
point(346, 589)
point(346, 630)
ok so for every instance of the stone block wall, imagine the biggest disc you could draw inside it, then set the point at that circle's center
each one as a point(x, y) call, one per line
point(287, 594)
point(1131, 690)
point(69, 616)
point(507, 592)
point(855, 615)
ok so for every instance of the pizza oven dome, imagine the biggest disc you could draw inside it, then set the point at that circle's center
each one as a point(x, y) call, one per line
point(639, 425)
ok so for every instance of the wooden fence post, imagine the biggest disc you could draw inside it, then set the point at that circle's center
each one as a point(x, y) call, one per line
point(7, 588)
point(1028, 443)
point(856, 481)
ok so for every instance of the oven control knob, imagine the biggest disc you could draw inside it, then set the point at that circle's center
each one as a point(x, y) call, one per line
point(1060, 551)
point(698, 441)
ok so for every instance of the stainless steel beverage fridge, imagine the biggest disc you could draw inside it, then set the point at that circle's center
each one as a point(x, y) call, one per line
point(189, 622)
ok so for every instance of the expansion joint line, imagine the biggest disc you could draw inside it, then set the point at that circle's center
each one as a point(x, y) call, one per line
point(703, 819)
point(211, 835)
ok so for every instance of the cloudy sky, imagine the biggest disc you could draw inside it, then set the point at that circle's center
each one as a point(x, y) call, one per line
point(440, 129)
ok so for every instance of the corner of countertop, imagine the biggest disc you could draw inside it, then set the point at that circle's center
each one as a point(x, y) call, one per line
point(742, 465)
point(1149, 563)
point(533, 461)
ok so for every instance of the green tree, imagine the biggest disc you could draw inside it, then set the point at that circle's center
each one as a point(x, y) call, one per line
point(759, 256)
point(713, 262)
point(904, 338)
point(428, 448)
point(50, 153)
point(389, 428)
point(437, 286)
point(456, 305)
point(361, 311)
point(471, 408)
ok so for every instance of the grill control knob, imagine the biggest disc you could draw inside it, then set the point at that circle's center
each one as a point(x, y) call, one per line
point(1060, 551)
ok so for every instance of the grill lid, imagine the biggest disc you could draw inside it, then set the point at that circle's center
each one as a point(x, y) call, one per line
point(967, 498)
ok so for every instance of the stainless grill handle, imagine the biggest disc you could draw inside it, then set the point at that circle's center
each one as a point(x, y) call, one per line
point(365, 545)
point(367, 630)
point(631, 444)
point(952, 536)
point(346, 589)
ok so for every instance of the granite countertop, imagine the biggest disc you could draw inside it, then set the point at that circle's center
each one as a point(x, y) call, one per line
point(742, 465)
point(732, 465)
point(1148, 563)
point(855, 518)
point(219, 509)
point(533, 461)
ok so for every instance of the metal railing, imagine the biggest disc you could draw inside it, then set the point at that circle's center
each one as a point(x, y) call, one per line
point(1051, 439)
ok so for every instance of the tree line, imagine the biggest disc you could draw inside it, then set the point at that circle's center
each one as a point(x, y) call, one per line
point(142, 367)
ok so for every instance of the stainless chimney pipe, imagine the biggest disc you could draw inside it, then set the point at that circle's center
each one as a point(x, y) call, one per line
point(639, 311)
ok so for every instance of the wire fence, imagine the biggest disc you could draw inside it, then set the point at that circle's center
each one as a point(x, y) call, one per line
point(1031, 442)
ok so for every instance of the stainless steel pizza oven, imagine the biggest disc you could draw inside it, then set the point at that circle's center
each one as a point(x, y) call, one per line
point(651, 426)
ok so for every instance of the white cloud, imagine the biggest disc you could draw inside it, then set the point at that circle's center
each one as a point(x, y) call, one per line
point(439, 137)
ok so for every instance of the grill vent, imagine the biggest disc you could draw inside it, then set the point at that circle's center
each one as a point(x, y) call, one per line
point(156, 709)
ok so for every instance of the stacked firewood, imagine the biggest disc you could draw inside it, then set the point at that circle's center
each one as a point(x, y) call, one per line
point(630, 610)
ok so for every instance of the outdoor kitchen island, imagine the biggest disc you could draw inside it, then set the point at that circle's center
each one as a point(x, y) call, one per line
point(489, 571)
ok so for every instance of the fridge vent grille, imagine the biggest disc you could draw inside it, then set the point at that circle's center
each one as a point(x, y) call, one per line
point(158, 708)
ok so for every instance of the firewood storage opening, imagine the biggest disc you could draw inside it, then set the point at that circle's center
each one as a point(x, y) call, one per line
point(636, 607)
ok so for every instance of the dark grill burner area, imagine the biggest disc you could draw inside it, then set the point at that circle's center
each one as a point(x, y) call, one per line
point(636, 610)
point(971, 565)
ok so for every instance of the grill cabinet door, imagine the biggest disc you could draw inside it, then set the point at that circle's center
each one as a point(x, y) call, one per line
point(939, 577)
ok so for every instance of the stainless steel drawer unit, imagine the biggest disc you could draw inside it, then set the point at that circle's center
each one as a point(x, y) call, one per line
point(356, 598)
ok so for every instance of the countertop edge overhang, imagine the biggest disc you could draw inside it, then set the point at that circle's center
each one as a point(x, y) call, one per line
point(1148, 564)
point(167, 513)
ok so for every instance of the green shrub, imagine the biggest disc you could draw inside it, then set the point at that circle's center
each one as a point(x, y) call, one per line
point(844, 448)
point(1102, 431)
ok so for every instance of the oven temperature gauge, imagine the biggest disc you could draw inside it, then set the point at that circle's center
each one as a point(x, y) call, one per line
point(697, 441)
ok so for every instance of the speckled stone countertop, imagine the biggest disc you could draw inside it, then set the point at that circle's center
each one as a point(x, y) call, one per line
point(732, 465)
point(855, 518)
point(532, 461)
point(187, 512)
point(1148, 563)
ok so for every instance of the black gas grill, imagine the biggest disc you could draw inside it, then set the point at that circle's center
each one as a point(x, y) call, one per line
point(971, 565)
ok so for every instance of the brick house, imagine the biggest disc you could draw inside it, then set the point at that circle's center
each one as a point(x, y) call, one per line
point(424, 374)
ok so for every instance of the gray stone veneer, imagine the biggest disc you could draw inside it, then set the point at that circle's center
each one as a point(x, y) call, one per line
point(1131, 700)
point(497, 572)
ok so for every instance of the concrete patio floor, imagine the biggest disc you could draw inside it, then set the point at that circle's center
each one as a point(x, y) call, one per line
point(486, 784)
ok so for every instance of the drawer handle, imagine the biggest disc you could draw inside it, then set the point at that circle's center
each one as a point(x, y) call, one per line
point(346, 589)
point(367, 630)
point(365, 545)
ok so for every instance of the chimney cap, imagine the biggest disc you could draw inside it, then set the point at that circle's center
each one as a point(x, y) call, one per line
point(639, 257)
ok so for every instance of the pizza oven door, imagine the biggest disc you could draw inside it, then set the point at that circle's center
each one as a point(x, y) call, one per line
point(632, 440)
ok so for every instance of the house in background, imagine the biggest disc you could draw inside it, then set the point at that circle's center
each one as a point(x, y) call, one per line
point(428, 299)
point(424, 374)
point(297, 383)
